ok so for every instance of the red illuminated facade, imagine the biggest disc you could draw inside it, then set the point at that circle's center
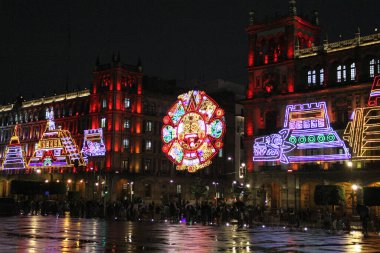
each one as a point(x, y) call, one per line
point(289, 63)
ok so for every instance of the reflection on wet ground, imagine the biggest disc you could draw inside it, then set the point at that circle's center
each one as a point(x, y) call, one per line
point(51, 234)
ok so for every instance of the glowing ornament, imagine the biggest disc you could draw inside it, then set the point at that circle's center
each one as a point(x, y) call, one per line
point(14, 155)
point(93, 144)
point(306, 137)
point(56, 149)
point(193, 131)
point(362, 132)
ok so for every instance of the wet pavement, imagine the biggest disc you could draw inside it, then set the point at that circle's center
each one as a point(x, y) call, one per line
point(51, 234)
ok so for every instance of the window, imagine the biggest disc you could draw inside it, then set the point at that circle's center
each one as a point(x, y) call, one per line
point(148, 145)
point(353, 71)
point(341, 74)
point(127, 103)
point(311, 77)
point(147, 165)
point(127, 123)
point(147, 190)
point(374, 67)
point(179, 189)
point(321, 76)
point(148, 126)
point(104, 103)
point(124, 164)
point(126, 143)
point(103, 122)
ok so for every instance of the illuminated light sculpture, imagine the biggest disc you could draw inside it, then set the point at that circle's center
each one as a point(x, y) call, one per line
point(193, 130)
point(93, 145)
point(306, 137)
point(14, 154)
point(363, 131)
point(56, 149)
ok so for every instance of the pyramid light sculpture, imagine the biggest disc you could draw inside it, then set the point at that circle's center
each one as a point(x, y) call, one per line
point(14, 154)
point(55, 149)
point(363, 131)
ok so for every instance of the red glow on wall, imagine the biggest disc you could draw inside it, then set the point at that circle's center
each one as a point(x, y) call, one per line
point(275, 57)
point(290, 52)
point(118, 85)
point(250, 87)
point(137, 147)
point(117, 124)
point(266, 59)
point(249, 166)
point(118, 102)
point(116, 147)
point(290, 86)
point(109, 103)
point(249, 128)
point(138, 127)
point(138, 106)
point(111, 85)
point(108, 143)
point(109, 124)
point(250, 58)
point(139, 88)
point(94, 89)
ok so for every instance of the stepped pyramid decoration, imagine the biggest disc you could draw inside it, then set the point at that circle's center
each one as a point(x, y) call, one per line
point(363, 131)
point(93, 145)
point(56, 149)
point(14, 154)
point(193, 131)
point(306, 137)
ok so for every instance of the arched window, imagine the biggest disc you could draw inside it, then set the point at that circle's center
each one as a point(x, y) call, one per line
point(321, 77)
point(374, 67)
point(352, 71)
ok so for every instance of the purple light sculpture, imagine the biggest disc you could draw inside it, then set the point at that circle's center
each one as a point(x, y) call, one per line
point(306, 137)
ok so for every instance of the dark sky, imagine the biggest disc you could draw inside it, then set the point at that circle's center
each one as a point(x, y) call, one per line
point(176, 39)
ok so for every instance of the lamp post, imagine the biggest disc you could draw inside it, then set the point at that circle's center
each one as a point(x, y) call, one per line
point(354, 189)
point(216, 193)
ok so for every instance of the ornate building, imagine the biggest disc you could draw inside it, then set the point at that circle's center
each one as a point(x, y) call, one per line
point(289, 63)
point(129, 108)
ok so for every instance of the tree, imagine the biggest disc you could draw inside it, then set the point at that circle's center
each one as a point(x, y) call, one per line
point(371, 196)
point(329, 195)
point(198, 189)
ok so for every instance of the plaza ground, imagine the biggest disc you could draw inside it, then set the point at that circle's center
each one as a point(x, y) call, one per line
point(52, 234)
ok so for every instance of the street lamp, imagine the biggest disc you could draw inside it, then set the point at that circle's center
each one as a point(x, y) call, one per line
point(242, 170)
point(354, 189)
point(216, 193)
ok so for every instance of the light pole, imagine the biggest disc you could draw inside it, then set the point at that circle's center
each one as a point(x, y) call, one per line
point(216, 192)
point(354, 189)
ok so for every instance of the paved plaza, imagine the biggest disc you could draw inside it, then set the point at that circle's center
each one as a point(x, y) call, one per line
point(51, 234)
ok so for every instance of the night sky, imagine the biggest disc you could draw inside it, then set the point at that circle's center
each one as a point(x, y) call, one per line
point(176, 39)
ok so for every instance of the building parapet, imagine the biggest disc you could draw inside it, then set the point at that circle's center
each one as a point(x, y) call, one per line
point(338, 46)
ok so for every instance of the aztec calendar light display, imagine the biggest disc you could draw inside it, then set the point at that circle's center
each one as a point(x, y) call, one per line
point(193, 130)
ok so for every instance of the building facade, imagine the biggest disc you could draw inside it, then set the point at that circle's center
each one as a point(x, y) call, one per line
point(289, 63)
point(129, 108)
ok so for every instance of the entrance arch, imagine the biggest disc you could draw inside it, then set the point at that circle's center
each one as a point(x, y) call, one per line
point(307, 195)
point(270, 195)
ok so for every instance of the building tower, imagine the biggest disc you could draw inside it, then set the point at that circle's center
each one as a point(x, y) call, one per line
point(271, 62)
point(116, 106)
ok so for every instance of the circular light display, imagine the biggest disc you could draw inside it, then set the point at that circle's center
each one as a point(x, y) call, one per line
point(193, 131)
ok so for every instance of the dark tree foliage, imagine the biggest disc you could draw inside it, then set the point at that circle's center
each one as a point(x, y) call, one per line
point(329, 195)
point(371, 196)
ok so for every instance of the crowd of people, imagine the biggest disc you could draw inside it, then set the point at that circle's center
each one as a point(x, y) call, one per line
point(204, 212)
